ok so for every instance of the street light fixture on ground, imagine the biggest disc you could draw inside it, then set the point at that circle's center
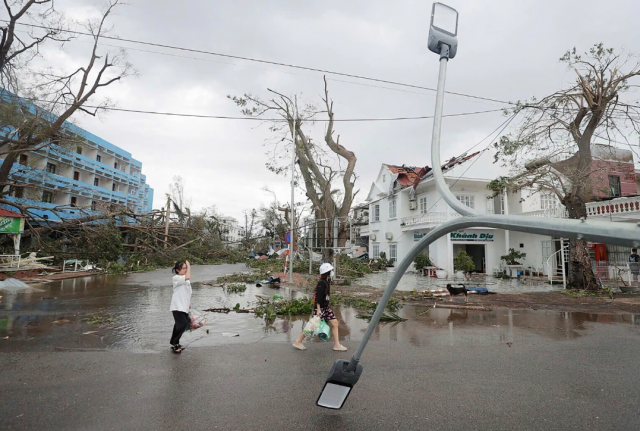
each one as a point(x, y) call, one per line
point(442, 40)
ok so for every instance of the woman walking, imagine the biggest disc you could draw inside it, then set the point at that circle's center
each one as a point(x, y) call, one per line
point(180, 303)
point(321, 308)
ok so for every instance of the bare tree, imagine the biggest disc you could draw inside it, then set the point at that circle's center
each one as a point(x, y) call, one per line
point(18, 48)
point(327, 171)
point(58, 95)
point(552, 147)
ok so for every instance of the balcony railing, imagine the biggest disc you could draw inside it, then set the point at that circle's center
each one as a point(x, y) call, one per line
point(428, 218)
point(556, 211)
point(365, 231)
point(614, 206)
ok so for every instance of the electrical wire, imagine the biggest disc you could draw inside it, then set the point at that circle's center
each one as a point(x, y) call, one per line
point(256, 60)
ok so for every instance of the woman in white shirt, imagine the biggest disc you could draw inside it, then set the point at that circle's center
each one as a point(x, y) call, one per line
point(180, 303)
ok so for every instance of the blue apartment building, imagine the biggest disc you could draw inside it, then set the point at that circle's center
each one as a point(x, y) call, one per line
point(84, 176)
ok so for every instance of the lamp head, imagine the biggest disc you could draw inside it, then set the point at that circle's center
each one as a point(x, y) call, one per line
point(338, 385)
point(443, 30)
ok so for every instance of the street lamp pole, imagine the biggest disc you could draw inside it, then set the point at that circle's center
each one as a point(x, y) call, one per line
point(345, 374)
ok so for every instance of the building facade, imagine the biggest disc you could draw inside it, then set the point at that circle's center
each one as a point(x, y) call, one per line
point(84, 175)
point(404, 205)
point(232, 233)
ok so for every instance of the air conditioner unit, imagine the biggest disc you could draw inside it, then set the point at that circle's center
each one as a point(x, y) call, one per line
point(388, 236)
point(413, 205)
point(372, 236)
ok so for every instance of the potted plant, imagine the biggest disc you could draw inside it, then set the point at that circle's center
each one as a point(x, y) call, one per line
point(462, 264)
point(421, 261)
point(513, 257)
point(387, 263)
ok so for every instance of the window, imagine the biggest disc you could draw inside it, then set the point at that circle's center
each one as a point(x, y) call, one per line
point(384, 178)
point(422, 202)
point(468, 200)
point(114, 187)
point(376, 212)
point(614, 186)
point(93, 205)
point(76, 176)
point(375, 251)
point(98, 158)
point(393, 252)
point(47, 197)
point(23, 159)
point(392, 209)
point(79, 150)
point(547, 201)
point(51, 168)
point(18, 192)
point(115, 165)
point(96, 182)
point(74, 200)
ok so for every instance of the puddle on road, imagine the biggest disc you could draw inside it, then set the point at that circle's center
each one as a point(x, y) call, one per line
point(413, 281)
point(53, 316)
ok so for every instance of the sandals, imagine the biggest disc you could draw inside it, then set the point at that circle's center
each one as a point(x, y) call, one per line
point(299, 346)
point(340, 349)
point(177, 348)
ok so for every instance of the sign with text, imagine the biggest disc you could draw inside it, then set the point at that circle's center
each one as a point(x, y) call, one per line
point(472, 236)
point(11, 225)
point(418, 236)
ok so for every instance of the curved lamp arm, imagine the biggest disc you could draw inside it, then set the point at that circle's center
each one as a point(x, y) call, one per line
point(602, 232)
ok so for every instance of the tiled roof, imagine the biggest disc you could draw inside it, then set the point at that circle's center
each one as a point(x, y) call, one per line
point(7, 213)
point(411, 175)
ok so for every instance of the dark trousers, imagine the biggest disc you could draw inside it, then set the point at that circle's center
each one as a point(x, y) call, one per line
point(182, 324)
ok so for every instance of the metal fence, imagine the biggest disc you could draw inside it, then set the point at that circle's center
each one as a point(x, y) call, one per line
point(615, 271)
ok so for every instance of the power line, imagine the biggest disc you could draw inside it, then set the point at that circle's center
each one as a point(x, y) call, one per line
point(275, 63)
point(225, 117)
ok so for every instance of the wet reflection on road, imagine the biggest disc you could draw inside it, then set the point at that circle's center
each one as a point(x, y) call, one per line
point(59, 315)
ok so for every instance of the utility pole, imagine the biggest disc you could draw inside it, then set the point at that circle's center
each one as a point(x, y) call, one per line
point(293, 212)
point(166, 225)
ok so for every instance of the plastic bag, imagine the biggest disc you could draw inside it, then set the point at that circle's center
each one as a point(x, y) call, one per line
point(311, 326)
point(323, 332)
point(197, 319)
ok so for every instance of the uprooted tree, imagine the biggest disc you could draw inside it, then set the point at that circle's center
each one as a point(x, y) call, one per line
point(327, 171)
point(552, 148)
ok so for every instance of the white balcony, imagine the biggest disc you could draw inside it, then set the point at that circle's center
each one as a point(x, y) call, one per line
point(429, 219)
point(614, 207)
point(557, 211)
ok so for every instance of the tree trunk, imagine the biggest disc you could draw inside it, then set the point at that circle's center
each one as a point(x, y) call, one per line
point(581, 274)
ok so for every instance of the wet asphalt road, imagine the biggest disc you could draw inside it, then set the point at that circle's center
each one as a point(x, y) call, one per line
point(586, 382)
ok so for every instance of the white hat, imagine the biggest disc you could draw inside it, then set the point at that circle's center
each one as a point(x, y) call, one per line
point(325, 267)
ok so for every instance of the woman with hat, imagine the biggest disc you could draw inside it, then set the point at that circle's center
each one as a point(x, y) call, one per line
point(322, 309)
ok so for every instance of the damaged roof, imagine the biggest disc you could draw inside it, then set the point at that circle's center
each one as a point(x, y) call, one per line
point(412, 175)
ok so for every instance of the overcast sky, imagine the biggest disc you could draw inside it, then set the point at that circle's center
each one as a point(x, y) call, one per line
point(508, 50)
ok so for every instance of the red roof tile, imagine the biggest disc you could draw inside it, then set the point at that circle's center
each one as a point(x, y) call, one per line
point(7, 213)
point(411, 175)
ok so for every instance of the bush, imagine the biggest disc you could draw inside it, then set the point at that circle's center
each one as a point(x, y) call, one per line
point(513, 257)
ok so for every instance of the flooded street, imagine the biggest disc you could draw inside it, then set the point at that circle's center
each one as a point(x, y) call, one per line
point(92, 353)
point(412, 281)
point(131, 313)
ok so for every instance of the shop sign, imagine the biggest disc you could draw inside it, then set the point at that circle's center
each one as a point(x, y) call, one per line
point(418, 236)
point(11, 225)
point(464, 236)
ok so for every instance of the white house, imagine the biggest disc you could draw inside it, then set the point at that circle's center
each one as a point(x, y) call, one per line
point(404, 205)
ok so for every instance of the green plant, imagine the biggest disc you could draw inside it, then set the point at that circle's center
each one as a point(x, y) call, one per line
point(463, 262)
point(513, 256)
point(236, 288)
point(421, 261)
point(384, 261)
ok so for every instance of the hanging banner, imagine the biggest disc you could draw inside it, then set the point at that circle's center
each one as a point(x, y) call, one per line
point(418, 236)
point(471, 236)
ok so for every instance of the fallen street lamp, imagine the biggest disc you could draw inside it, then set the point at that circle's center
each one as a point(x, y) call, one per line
point(338, 386)
point(442, 41)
